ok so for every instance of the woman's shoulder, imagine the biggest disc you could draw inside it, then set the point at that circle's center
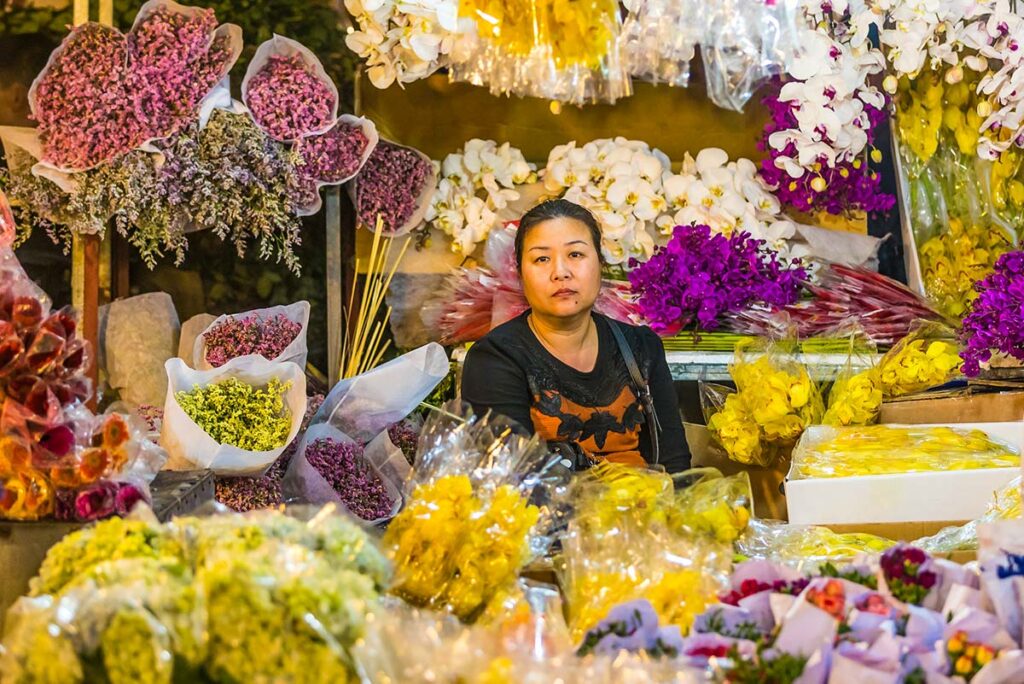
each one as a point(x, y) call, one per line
point(635, 334)
point(505, 339)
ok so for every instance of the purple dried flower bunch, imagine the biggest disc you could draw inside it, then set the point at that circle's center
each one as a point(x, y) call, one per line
point(343, 467)
point(390, 186)
point(288, 100)
point(698, 277)
point(106, 92)
point(332, 157)
point(252, 334)
point(995, 321)
point(847, 185)
point(405, 435)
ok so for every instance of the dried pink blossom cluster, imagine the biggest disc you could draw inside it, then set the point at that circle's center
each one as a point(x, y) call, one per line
point(329, 158)
point(80, 100)
point(252, 334)
point(175, 61)
point(390, 186)
point(288, 100)
point(105, 93)
point(343, 467)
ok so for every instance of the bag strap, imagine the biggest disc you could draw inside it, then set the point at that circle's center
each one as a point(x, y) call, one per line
point(642, 388)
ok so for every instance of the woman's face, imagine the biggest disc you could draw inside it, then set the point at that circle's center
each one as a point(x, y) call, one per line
point(561, 270)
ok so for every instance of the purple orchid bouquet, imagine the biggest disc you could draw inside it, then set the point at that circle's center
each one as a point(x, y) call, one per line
point(699, 276)
point(995, 322)
point(837, 187)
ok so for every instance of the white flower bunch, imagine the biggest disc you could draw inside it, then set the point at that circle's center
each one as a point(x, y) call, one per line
point(476, 183)
point(405, 41)
point(726, 196)
point(828, 92)
point(620, 182)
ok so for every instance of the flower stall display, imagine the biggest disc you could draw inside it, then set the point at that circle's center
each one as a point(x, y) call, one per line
point(133, 601)
point(885, 450)
point(236, 419)
point(468, 526)
point(332, 158)
point(277, 333)
point(698, 277)
point(993, 323)
point(394, 187)
point(287, 91)
point(475, 184)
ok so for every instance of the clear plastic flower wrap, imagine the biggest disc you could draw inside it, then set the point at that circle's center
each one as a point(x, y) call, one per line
point(805, 544)
point(927, 357)
point(1005, 505)
point(774, 402)
point(544, 48)
point(261, 597)
point(478, 508)
point(638, 557)
point(711, 505)
point(828, 452)
point(603, 494)
point(659, 38)
point(856, 394)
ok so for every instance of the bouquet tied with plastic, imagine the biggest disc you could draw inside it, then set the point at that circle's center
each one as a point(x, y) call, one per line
point(856, 394)
point(346, 457)
point(927, 357)
point(479, 507)
point(774, 402)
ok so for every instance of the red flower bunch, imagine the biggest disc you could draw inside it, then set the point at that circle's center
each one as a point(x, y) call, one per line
point(750, 587)
point(831, 598)
point(906, 573)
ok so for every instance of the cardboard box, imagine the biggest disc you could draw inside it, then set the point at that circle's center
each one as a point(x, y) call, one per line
point(905, 498)
point(766, 483)
point(992, 407)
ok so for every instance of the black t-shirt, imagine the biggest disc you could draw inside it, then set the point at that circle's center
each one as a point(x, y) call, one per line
point(510, 372)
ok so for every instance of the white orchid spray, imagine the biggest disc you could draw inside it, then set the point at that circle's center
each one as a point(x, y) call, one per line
point(476, 184)
point(405, 41)
point(620, 182)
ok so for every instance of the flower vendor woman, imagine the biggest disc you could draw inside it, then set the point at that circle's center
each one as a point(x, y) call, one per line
point(561, 370)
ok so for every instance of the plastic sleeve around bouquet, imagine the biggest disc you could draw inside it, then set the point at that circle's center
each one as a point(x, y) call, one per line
point(478, 508)
point(1005, 506)
point(304, 483)
point(856, 394)
point(538, 48)
point(659, 38)
point(927, 357)
point(364, 406)
point(295, 352)
point(189, 445)
point(801, 545)
point(276, 110)
point(706, 503)
point(679, 574)
point(732, 50)
point(732, 425)
point(829, 452)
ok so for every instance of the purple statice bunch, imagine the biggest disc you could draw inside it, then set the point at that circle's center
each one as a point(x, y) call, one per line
point(698, 277)
point(252, 334)
point(80, 102)
point(175, 61)
point(995, 321)
point(342, 465)
point(405, 435)
point(843, 186)
point(907, 573)
point(390, 185)
point(288, 100)
point(332, 157)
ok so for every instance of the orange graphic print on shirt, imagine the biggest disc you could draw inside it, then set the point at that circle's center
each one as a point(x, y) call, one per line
point(607, 432)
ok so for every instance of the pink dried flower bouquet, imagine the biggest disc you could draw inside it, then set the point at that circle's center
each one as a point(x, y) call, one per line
point(251, 334)
point(288, 100)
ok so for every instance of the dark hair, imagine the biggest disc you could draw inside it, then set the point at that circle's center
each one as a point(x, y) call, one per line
point(553, 209)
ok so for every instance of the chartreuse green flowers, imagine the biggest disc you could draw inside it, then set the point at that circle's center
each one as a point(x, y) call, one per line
point(236, 413)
